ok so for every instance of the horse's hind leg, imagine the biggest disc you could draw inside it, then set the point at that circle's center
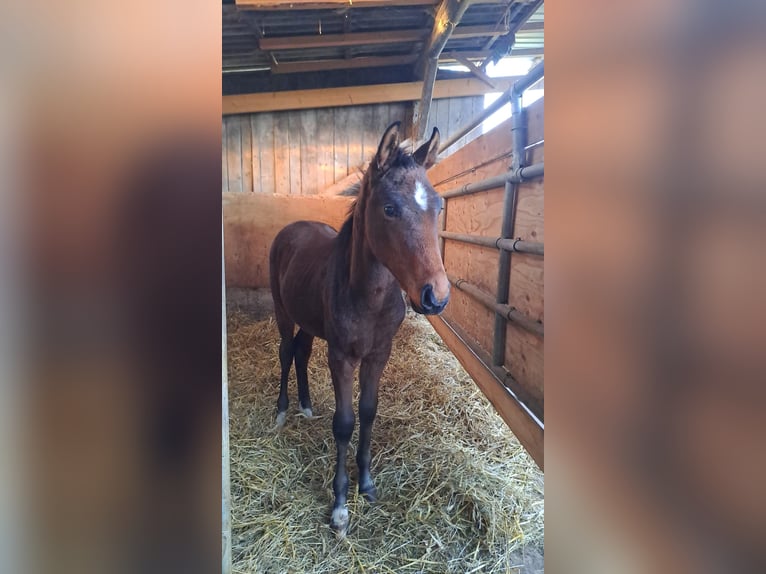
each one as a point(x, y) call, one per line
point(303, 345)
point(286, 353)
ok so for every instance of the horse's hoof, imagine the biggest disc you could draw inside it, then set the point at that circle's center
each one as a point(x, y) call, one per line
point(307, 412)
point(370, 493)
point(281, 418)
point(339, 521)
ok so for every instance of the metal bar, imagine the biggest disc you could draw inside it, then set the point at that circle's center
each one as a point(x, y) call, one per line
point(518, 158)
point(529, 404)
point(513, 245)
point(510, 197)
point(519, 176)
point(524, 396)
point(534, 75)
point(510, 313)
point(522, 84)
point(443, 224)
point(519, 246)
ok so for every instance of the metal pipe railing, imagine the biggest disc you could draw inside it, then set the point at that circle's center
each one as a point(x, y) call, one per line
point(518, 87)
point(534, 75)
point(506, 311)
point(502, 376)
point(518, 176)
point(524, 396)
point(518, 131)
point(513, 245)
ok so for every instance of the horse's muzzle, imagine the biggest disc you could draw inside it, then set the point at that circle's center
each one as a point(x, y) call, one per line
point(429, 304)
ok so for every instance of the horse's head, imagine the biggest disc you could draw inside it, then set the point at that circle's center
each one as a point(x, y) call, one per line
point(401, 220)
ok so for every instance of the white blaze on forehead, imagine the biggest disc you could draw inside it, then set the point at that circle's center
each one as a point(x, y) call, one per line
point(421, 196)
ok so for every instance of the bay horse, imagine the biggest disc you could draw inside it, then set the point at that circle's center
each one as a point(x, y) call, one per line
point(346, 287)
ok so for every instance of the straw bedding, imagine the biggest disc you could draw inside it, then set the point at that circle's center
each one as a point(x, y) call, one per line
point(457, 492)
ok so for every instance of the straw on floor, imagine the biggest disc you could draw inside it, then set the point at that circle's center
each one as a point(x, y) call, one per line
point(457, 492)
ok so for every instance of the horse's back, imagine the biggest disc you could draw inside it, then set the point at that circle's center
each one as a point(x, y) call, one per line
point(298, 266)
point(301, 239)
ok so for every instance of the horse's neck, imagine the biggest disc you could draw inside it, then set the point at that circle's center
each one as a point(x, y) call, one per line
point(369, 279)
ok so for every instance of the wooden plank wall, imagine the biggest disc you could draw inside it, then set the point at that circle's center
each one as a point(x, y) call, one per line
point(481, 214)
point(303, 152)
point(251, 221)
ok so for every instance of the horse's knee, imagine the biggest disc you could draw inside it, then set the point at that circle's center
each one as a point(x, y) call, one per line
point(343, 426)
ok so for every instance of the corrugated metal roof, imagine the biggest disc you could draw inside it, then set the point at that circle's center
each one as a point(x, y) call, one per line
point(484, 33)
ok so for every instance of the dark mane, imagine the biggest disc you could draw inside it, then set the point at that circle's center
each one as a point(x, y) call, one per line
point(346, 230)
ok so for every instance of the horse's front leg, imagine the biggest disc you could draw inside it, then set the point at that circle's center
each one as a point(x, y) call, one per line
point(369, 377)
point(342, 371)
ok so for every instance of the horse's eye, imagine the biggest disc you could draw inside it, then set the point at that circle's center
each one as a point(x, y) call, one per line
point(389, 210)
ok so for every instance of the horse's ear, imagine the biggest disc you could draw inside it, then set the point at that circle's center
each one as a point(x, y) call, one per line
point(388, 147)
point(427, 153)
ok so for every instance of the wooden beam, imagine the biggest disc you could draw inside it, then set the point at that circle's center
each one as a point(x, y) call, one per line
point(420, 117)
point(361, 38)
point(474, 70)
point(447, 17)
point(526, 429)
point(337, 4)
point(477, 31)
point(473, 55)
point(326, 4)
point(332, 40)
point(321, 65)
point(356, 95)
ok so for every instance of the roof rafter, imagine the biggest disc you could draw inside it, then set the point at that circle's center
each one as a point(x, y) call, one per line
point(342, 64)
point(324, 4)
point(360, 38)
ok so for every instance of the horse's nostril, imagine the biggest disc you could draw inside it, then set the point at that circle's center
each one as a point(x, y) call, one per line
point(427, 298)
point(429, 303)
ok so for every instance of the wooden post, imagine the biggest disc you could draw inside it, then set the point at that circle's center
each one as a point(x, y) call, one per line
point(447, 17)
point(424, 108)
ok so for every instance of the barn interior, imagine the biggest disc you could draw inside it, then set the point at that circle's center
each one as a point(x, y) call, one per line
point(308, 89)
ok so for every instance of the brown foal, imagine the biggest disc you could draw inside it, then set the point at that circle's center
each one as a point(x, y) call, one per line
point(346, 288)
